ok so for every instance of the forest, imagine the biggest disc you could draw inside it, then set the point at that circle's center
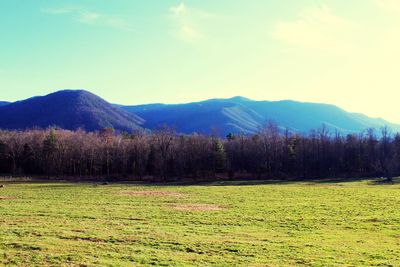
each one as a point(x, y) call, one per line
point(164, 155)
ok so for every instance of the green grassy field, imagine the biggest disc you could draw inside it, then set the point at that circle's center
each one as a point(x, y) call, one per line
point(221, 224)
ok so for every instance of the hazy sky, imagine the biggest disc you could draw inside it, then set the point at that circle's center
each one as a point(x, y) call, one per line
point(344, 52)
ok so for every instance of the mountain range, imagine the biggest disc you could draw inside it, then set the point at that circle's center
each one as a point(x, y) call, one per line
point(72, 109)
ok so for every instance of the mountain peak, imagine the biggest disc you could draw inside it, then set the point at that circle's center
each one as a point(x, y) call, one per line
point(72, 92)
point(68, 109)
point(240, 99)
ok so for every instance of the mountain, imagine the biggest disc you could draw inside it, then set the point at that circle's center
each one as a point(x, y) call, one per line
point(3, 103)
point(72, 109)
point(243, 115)
point(68, 109)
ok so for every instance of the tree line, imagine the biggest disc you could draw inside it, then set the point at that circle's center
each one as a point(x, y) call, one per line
point(164, 155)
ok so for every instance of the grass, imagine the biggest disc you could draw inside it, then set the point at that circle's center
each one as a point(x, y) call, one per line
point(223, 224)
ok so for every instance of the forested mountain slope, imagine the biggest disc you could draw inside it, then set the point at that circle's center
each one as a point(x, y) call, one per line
point(239, 114)
point(68, 109)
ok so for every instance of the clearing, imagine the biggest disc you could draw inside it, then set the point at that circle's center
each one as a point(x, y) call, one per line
point(218, 224)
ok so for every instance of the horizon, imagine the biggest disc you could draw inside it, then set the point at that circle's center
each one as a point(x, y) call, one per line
point(173, 52)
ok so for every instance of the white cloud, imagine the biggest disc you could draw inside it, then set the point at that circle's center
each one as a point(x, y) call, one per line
point(179, 9)
point(391, 5)
point(360, 69)
point(90, 17)
point(316, 28)
point(187, 22)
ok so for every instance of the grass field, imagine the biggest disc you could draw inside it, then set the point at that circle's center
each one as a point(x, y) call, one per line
point(221, 224)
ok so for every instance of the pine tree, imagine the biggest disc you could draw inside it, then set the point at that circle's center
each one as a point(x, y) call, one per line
point(218, 156)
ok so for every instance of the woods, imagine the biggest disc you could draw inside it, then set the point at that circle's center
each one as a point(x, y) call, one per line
point(164, 155)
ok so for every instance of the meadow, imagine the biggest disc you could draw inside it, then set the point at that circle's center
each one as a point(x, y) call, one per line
point(321, 223)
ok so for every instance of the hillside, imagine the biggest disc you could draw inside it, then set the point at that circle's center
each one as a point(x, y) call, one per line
point(68, 109)
point(239, 114)
point(3, 103)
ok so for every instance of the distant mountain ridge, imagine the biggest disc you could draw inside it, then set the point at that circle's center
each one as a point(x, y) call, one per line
point(73, 109)
point(240, 114)
point(68, 109)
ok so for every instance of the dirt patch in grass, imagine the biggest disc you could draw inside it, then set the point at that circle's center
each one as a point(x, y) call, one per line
point(7, 198)
point(149, 193)
point(374, 220)
point(197, 207)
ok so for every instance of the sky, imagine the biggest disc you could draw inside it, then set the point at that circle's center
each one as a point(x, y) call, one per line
point(134, 52)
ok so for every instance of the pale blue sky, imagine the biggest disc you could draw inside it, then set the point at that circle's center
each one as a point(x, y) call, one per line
point(129, 51)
